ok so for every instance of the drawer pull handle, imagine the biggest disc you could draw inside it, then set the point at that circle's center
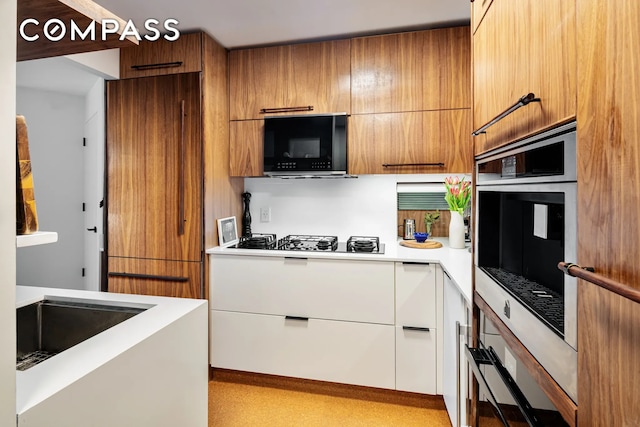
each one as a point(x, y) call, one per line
point(285, 109)
point(159, 65)
point(401, 165)
point(524, 100)
point(303, 319)
point(415, 263)
point(296, 258)
point(415, 328)
point(150, 277)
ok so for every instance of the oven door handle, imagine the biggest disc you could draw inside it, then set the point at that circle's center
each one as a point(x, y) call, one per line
point(481, 356)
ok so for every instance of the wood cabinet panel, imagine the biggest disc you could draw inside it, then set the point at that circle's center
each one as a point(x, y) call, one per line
point(478, 10)
point(246, 147)
point(149, 147)
point(155, 277)
point(300, 75)
point(162, 57)
point(510, 63)
point(608, 187)
point(413, 71)
point(405, 139)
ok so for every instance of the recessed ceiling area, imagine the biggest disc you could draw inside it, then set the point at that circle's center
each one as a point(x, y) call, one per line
point(241, 23)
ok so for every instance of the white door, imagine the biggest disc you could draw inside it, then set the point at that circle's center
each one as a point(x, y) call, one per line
point(93, 185)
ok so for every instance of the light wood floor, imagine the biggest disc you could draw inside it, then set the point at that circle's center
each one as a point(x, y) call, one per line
point(243, 399)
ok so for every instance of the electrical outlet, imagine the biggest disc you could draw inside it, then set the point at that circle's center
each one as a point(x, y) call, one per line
point(510, 363)
point(265, 214)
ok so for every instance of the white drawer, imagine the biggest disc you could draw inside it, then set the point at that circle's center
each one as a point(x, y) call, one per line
point(360, 291)
point(344, 352)
point(416, 360)
point(416, 294)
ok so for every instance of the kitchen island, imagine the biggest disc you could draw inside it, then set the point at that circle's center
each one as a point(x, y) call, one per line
point(150, 370)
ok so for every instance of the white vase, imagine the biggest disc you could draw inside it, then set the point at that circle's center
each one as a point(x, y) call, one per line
point(456, 231)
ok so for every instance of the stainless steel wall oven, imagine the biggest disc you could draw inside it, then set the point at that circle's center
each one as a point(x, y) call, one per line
point(526, 223)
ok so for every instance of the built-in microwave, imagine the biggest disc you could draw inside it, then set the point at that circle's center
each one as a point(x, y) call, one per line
point(305, 145)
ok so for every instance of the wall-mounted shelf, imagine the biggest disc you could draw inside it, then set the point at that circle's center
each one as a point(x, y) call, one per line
point(37, 238)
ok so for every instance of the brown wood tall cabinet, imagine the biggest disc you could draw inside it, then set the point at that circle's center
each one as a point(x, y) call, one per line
point(522, 47)
point(608, 206)
point(167, 166)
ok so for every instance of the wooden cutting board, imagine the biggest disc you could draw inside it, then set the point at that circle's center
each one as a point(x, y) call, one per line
point(427, 244)
point(26, 215)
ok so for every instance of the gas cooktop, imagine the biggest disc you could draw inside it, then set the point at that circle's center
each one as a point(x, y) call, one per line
point(307, 242)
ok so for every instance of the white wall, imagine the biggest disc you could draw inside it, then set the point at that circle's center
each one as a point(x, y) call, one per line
point(363, 206)
point(8, 15)
point(55, 125)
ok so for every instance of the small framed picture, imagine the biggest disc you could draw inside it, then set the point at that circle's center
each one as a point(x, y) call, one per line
point(227, 231)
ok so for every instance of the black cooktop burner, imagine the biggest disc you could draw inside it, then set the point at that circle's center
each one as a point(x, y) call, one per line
point(257, 241)
point(308, 243)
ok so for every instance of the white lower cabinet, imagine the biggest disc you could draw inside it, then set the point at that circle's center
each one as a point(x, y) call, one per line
point(416, 359)
point(327, 350)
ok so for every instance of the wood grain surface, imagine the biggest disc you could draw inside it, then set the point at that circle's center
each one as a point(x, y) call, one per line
point(143, 168)
point(522, 47)
point(82, 12)
point(187, 50)
point(246, 147)
point(315, 74)
point(26, 212)
point(608, 188)
point(427, 244)
point(478, 10)
point(554, 392)
point(223, 194)
point(438, 229)
point(174, 278)
point(411, 71)
point(408, 138)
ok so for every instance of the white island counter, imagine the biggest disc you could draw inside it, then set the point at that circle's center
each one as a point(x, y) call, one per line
point(150, 370)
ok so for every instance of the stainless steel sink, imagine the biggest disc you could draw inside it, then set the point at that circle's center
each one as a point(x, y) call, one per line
point(51, 326)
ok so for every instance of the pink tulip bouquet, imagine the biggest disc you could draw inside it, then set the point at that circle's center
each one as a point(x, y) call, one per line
point(458, 193)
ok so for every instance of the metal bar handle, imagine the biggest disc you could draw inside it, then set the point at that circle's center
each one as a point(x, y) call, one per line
point(402, 165)
point(181, 218)
point(286, 109)
point(302, 319)
point(588, 274)
point(158, 65)
point(524, 100)
point(149, 277)
point(415, 328)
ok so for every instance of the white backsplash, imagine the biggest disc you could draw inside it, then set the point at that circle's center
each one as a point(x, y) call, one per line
point(363, 206)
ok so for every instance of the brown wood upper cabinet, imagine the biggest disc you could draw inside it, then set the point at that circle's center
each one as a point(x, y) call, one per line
point(162, 57)
point(413, 71)
point(412, 142)
point(523, 47)
point(478, 10)
point(289, 79)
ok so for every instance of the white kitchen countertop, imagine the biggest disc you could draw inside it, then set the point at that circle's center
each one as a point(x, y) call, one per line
point(45, 379)
point(456, 262)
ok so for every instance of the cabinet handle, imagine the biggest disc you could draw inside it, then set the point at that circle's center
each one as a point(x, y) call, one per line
point(285, 109)
point(150, 277)
point(296, 258)
point(303, 319)
point(458, 373)
point(414, 262)
point(181, 218)
point(158, 65)
point(415, 328)
point(402, 165)
point(524, 100)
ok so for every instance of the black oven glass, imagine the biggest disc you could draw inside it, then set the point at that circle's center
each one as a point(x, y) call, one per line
point(543, 161)
point(521, 241)
point(305, 143)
